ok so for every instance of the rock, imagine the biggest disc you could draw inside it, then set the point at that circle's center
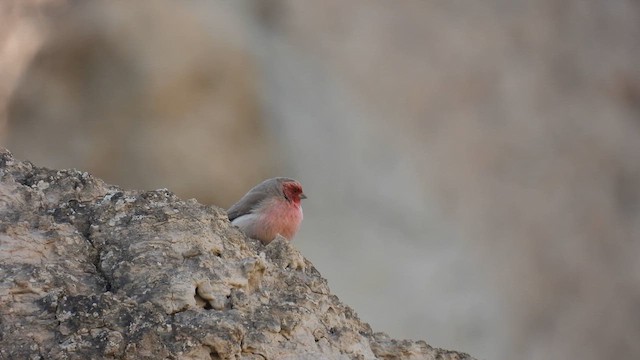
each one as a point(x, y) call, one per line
point(89, 271)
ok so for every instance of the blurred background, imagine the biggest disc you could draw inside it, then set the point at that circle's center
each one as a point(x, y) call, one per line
point(473, 168)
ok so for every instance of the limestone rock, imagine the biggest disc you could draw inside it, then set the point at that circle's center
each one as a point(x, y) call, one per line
point(89, 271)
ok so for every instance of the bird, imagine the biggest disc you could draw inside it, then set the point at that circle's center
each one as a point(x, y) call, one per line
point(269, 209)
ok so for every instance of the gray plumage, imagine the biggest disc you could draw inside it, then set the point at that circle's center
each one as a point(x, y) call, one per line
point(251, 200)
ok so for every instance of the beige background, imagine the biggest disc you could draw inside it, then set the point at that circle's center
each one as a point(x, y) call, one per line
point(472, 168)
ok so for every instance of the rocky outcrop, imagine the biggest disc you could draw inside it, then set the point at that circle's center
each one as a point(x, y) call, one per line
point(89, 271)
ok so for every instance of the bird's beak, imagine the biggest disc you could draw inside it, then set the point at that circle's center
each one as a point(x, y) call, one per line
point(303, 196)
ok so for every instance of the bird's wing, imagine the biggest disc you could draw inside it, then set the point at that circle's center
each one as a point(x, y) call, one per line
point(247, 204)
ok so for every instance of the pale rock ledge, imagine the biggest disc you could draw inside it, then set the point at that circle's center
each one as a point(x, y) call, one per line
point(91, 271)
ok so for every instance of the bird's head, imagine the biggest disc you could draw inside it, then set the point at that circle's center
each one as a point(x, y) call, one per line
point(292, 191)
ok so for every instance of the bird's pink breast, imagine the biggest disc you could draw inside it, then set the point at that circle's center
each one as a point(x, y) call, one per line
point(279, 217)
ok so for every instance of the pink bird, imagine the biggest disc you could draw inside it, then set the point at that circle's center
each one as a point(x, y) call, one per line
point(270, 208)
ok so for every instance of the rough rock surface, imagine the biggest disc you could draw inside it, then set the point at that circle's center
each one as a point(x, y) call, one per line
point(89, 271)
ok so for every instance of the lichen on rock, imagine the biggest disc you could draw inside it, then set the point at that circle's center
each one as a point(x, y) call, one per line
point(90, 271)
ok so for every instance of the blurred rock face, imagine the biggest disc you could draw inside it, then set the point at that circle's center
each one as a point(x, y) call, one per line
point(498, 141)
point(118, 88)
